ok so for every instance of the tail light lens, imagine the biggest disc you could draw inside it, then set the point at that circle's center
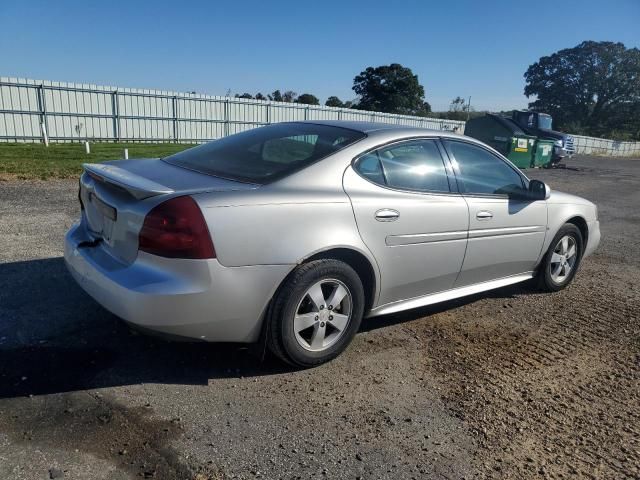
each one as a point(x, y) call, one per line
point(176, 229)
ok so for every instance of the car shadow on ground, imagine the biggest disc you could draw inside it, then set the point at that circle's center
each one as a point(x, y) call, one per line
point(54, 338)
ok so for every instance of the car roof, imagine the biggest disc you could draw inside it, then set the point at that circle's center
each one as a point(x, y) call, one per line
point(372, 127)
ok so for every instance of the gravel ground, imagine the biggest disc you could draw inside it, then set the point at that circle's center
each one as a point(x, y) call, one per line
point(513, 384)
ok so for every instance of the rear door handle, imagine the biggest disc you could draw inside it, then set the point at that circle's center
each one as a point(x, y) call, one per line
point(484, 215)
point(387, 215)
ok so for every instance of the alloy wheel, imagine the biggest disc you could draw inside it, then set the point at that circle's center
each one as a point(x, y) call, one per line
point(323, 315)
point(563, 259)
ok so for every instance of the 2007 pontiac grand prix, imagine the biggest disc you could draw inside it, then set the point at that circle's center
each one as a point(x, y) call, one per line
point(295, 232)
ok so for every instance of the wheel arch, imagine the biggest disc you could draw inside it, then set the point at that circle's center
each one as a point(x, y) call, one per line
point(559, 214)
point(582, 225)
point(362, 265)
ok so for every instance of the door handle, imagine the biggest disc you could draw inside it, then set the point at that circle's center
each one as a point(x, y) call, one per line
point(484, 215)
point(387, 215)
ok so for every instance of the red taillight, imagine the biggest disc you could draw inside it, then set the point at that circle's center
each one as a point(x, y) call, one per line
point(176, 229)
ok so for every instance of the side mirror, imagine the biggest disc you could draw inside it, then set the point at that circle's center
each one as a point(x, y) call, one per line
point(538, 190)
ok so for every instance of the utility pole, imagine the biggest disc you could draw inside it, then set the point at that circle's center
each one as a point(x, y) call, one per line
point(468, 108)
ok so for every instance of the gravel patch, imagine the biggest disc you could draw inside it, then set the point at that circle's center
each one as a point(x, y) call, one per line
point(511, 384)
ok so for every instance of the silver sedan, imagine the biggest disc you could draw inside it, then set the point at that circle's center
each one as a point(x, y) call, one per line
point(293, 233)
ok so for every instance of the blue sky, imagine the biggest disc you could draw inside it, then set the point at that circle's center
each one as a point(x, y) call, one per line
point(458, 47)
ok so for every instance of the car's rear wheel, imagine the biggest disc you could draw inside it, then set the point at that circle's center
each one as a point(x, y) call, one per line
point(562, 260)
point(315, 313)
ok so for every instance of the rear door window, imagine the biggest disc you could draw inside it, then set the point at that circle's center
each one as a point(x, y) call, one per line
point(413, 165)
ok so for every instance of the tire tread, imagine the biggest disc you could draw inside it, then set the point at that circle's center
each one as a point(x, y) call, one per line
point(274, 335)
point(544, 281)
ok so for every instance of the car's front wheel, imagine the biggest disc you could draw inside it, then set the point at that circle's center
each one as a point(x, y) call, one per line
point(316, 313)
point(562, 260)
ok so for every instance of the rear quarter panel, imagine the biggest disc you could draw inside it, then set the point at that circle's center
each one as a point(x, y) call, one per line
point(271, 228)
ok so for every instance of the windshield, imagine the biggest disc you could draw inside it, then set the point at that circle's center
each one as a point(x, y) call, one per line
point(544, 121)
point(265, 154)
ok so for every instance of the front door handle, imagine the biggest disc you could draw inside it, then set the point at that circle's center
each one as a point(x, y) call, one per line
point(387, 215)
point(484, 215)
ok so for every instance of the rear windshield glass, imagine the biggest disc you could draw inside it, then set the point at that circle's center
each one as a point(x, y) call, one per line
point(265, 154)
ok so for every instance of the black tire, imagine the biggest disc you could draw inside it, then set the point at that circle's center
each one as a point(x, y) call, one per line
point(546, 281)
point(281, 337)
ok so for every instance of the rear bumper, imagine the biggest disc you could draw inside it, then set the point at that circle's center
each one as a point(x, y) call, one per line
point(199, 299)
point(594, 238)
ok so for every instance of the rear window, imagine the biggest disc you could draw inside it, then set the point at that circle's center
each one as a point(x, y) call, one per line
point(266, 154)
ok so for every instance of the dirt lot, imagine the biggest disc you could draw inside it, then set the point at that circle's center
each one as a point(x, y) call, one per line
point(516, 384)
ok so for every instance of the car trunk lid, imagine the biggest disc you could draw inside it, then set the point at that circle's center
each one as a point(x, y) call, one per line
point(116, 197)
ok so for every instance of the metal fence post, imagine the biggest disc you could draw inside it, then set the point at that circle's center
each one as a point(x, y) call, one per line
point(226, 117)
point(175, 118)
point(115, 108)
point(306, 113)
point(42, 106)
point(268, 113)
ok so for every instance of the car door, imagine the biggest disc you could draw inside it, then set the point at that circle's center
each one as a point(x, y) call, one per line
point(409, 217)
point(506, 230)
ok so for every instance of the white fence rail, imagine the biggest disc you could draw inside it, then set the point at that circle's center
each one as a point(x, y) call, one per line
point(31, 110)
point(603, 146)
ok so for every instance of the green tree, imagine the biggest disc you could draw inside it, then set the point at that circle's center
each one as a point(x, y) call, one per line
point(334, 101)
point(458, 104)
point(391, 89)
point(593, 88)
point(276, 96)
point(260, 96)
point(289, 96)
point(308, 99)
point(458, 109)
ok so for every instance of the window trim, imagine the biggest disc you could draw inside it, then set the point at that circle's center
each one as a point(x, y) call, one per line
point(451, 180)
point(456, 172)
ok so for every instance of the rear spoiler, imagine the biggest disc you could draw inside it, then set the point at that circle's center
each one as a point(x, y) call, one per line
point(136, 185)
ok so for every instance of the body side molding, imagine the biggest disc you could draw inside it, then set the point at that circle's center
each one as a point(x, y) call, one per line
point(448, 295)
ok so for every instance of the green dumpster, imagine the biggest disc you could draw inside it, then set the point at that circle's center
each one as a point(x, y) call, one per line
point(521, 150)
point(543, 153)
point(505, 136)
